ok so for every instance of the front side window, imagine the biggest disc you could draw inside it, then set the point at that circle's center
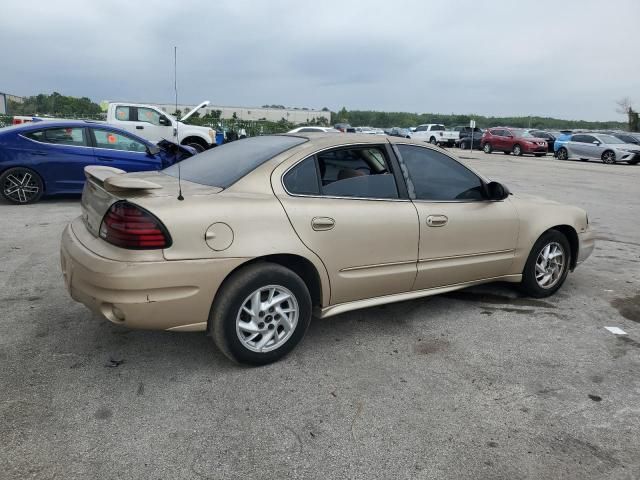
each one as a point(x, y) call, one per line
point(434, 176)
point(60, 136)
point(117, 141)
point(148, 115)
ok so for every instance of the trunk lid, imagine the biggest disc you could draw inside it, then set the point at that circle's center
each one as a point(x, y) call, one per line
point(105, 186)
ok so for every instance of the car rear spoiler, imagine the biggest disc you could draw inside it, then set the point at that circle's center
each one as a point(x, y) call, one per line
point(113, 180)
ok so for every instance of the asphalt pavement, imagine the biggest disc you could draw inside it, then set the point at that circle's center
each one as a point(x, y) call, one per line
point(477, 384)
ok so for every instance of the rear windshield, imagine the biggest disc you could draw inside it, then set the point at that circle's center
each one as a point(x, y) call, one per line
point(223, 166)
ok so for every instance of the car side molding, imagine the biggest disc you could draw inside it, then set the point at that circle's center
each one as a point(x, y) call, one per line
point(401, 297)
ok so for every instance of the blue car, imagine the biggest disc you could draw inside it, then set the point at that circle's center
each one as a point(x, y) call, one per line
point(560, 142)
point(48, 157)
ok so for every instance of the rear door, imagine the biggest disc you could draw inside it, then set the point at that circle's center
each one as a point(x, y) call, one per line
point(61, 153)
point(463, 236)
point(348, 205)
point(577, 146)
point(115, 149)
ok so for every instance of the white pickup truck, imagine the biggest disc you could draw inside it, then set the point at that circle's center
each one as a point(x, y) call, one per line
point(435, 133)
point(150, 122)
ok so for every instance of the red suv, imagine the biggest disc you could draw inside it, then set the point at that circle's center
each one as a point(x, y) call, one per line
point(514, 140)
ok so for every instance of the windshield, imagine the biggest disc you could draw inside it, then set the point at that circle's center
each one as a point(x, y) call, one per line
point(610, 139)
point(223, 166)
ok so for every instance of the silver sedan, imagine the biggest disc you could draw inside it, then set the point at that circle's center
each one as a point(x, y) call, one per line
point(598, 146)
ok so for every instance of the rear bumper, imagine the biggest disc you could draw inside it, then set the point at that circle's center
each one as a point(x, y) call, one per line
point(156, 295)
point(586, 244)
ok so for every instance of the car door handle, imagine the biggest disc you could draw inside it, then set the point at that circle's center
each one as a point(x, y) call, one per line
point(322, 223)
point(105, 159)
point(139, 127)
point(437, 220)
point(39, 153)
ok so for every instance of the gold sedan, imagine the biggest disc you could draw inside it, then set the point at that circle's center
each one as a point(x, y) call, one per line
point(247, 241)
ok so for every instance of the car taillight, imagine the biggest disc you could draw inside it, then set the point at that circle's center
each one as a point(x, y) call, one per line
point(128, 226)
point(16, 121)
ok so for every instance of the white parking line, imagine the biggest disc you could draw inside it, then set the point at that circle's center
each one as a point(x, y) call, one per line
point(616, 330)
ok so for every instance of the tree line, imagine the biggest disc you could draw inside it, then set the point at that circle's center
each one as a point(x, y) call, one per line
point(54, 104)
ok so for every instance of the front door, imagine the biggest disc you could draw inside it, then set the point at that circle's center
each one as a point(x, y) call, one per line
point(121, 151)
point(463, 236)
point(347, 206)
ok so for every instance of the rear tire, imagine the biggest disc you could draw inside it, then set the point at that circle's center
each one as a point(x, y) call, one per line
point(249, 324)
point(463, 146)
point(542, 277)
point(433, 141)
point(21, 185)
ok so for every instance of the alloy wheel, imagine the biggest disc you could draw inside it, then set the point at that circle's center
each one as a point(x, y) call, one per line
point(550, 265)
point(562, 154)
point(609, 157)
point(20, 186)
point(267, 318)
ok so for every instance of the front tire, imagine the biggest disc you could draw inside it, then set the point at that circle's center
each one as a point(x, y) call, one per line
point(487, 148)
point(517, 150)
point(21, 185)
point(196, 146)
point(547, 266)
point(260, 314)
point(463, 146)
point(563, 154)
point(608, 157)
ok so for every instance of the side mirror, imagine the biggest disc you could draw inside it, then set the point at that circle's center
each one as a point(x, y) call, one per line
point(164, 121)
point(496, 191)
point(596, 142)
point(153, 149)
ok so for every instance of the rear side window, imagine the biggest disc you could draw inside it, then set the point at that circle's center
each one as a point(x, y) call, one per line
point(435, 176)
point(354, 172)
point(223, 166)
point(60, 136)
point(303, 178)
point(123, 113)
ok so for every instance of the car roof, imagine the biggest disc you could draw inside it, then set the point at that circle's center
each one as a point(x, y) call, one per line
point(41, 124)
point(323, 140)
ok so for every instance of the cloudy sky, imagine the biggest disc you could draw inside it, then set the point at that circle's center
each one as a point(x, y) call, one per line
point(569, 59)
